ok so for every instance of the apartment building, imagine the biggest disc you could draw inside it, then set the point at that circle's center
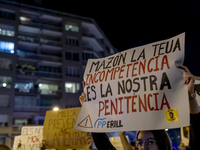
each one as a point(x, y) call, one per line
point(43, 54)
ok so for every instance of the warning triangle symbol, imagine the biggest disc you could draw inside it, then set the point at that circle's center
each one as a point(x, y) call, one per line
point(86, 123)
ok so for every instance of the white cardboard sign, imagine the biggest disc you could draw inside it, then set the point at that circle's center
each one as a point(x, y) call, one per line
point(137, 89)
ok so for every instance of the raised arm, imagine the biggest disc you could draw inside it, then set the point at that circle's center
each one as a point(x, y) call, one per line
point(189, 79)
point(125, 143)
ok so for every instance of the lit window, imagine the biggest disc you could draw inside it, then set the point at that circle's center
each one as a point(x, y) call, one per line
point(48, 89)
point(7, 32)
point(20, 121)
point(24, 87)
point(5, 82)
point(72, 87)
point(6, 47)
point(22, 18)
point(71, 27)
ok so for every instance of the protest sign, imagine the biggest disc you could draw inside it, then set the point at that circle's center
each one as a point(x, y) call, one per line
point(137, 89)
point(59, 131)
point(17, 142)
point(31, 137)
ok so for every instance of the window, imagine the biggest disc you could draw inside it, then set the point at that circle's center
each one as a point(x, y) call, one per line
point(72, 71)
point(48, 89)
point(25, 19)
point(5, 64)
point(48, 102)
point(4, 100)
point(88, 55)
point(2, 140)
point(71, 27)
point(7, 32)
point(72, 41)
point(6, 47)
point(25, 101)
point(24, 87)
point(20, 121)
point(5, 82)
point(3, 120)
point(40, 121)
point(72, 87)
point(7, 14)
point(72, 56)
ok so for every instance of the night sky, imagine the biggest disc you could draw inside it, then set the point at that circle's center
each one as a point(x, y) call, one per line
point(132, 23)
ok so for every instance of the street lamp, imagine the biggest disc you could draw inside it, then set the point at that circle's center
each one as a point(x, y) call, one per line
point(55, 109)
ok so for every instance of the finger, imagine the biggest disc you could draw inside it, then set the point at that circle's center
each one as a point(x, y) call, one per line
point(84, 95)
point(83, 82)
point(183, 68)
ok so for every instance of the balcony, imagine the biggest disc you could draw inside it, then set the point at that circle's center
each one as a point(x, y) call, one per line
point(32, 92)
point(26, 54)
point(89, 28)
point(34, 73)
point(50, 92)
point(32, 108)
point(93, 43)
point(38, 24)
point(51, 42)
point(26, 37)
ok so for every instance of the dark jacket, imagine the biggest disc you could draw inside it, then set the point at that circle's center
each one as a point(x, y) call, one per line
point(194, 132)
point(102, 141)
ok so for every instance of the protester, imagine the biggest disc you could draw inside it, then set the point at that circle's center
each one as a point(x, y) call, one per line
point(4, 147)
point(158, 139)
point(43, 145)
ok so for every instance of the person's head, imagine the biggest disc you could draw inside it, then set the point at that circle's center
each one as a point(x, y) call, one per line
point(4, 147)
point(171, 115)
point(153, 140)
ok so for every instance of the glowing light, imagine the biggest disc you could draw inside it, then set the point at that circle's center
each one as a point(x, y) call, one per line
point(166, 129)
point(40, 85)
point(55, 109)
point(4, 84)
point(69, 85)
point(24, 18)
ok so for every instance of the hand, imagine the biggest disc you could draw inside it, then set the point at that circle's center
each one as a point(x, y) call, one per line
point(89, 138)
point(121, 133)
point(82, 98)
point(189, 79)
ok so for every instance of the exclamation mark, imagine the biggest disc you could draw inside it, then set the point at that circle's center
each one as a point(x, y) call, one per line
point(86, 122)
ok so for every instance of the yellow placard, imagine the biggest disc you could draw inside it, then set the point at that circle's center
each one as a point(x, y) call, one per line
point(59, 131)
point(171, 115)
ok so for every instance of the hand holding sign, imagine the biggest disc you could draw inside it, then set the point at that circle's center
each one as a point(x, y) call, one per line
point(189, 79)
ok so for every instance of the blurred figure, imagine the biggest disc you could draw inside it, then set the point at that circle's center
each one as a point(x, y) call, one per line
point(182, 146)
point(43, 145)
point(4, 147)
point(19, 145)
point(133, 145)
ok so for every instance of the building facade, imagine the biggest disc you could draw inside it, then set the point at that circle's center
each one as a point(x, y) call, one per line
point(43, 54)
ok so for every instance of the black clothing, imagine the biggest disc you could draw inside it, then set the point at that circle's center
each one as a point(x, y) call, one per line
point(102, 141)
point(194, 132)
